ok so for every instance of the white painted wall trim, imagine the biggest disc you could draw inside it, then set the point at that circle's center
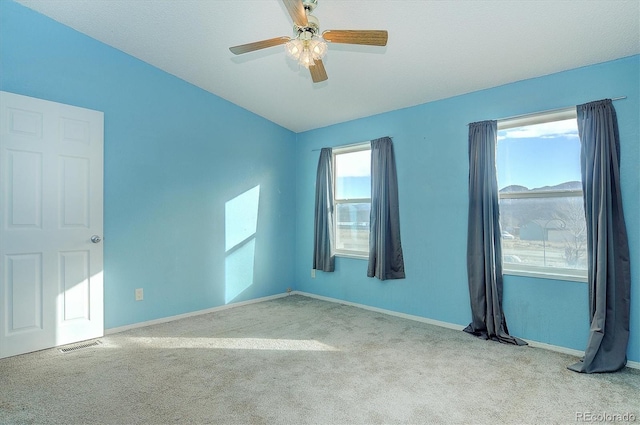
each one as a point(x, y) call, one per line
point(536, 344)
point(383, 311)
point(190, 314)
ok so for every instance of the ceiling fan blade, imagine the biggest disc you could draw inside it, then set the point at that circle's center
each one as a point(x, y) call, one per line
point(318, 73)
point(368, 37)
point(296, 10)
point(250, 47)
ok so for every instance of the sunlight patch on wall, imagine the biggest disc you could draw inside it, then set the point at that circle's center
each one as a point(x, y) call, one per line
point(241, 223)
point(238, 272)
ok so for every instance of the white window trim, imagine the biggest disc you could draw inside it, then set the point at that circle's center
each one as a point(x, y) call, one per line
point(356, 147)
point(571, 275)
point(537, 118)
point(350, 254)
point(542, 194)
point(556, 273)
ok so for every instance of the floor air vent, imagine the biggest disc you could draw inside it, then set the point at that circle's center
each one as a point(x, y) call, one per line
point(80, 346)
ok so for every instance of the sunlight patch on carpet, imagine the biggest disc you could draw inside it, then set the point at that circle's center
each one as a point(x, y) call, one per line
point(234, 343)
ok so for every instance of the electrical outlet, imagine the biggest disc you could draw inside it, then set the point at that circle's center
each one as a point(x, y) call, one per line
point(139, 294)
point(313, 273)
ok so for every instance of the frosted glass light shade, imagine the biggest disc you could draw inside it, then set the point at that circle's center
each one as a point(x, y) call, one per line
point(306, 51)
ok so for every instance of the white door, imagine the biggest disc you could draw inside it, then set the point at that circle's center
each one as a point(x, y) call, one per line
point(51, 172)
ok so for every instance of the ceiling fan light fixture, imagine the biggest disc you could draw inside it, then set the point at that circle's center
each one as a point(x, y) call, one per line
point(318, 47)
point(306, 51)
point(293, 48)
point(306, 58)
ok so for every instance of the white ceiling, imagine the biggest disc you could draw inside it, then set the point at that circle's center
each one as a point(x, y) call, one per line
point(436, 49)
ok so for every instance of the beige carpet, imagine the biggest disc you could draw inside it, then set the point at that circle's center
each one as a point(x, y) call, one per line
point(298, 360)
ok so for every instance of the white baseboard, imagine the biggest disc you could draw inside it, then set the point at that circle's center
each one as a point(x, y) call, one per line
point(633, 365)
point(550, 347)
point(383, 311)
point(190, 314)
point(556, 348)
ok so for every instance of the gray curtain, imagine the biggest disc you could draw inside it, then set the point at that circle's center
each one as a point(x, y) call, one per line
point(484, 250)
point(385, 248)
point(323, 237)
point(609, 273)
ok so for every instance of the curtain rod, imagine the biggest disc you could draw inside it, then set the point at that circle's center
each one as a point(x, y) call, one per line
point(351, 144)
point(550, 111)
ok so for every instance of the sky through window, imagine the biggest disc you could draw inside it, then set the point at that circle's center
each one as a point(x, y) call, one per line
point(538, 155)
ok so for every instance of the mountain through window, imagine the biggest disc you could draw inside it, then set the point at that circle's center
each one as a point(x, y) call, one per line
point(541, 205)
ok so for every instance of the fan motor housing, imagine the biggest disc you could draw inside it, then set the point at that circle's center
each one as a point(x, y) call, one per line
point(312, 28)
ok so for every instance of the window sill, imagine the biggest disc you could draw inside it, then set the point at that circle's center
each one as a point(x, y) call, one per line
point(545, 275)
point(350, 255)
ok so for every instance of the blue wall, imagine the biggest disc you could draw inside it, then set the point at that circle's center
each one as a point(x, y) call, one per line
point(430, 142)
point(174, 156)
point(177, 158)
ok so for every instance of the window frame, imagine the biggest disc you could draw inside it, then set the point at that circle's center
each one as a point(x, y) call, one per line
point(356, 147)
point(556, 273)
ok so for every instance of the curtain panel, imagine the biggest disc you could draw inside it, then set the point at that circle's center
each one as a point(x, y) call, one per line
point(484, 249)
point(608, 265)
point(323, 225)
point(386, 260)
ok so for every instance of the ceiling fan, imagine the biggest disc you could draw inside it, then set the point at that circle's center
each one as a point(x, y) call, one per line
point(307, 46)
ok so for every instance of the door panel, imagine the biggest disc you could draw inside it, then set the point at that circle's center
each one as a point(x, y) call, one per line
point(74, 274)
point(51, 171)
point(24, 189)
point(24, 289)
point(74, 192)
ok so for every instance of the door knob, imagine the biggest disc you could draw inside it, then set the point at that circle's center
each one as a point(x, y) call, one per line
point(96, 239)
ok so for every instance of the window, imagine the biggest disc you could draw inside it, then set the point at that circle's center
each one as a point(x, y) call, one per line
point(352, 194)
point(540, 191)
